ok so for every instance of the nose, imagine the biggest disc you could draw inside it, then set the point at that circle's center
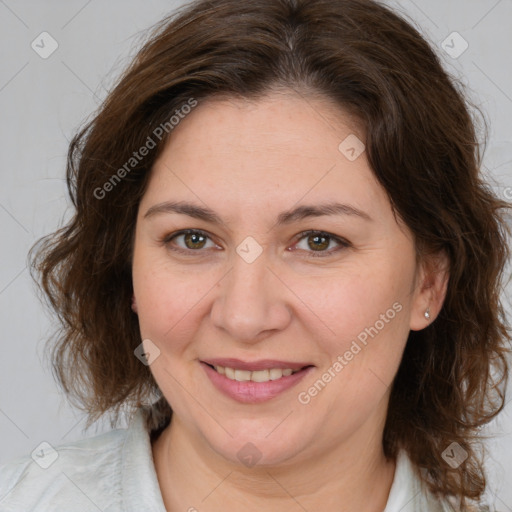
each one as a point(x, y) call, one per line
point(251, 301)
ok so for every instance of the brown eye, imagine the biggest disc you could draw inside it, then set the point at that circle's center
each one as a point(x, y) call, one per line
point(193, 240)
point(319, 241)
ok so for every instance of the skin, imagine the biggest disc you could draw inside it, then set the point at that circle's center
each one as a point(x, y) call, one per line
point(249, 161)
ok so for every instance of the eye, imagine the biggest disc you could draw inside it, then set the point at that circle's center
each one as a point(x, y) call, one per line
point(319, 241)
point(193, 239)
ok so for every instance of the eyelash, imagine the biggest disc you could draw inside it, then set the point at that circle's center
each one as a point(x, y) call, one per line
point(314, 254)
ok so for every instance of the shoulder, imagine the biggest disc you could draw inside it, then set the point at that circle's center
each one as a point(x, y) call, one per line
point(78, 476)
point(410, 493)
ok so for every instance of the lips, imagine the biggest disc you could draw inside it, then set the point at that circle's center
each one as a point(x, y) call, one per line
point(256, 390)
point(262, 364)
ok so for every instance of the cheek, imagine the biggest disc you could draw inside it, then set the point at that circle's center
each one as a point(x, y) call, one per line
point(369, 318)
point(354, 298)
point(367, 312)
point(169, 299)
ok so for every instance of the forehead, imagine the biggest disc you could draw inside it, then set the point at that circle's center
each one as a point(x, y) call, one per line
point(278, 121)
point(279, 148)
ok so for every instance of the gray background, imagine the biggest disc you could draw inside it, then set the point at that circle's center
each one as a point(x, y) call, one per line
point(43, 102)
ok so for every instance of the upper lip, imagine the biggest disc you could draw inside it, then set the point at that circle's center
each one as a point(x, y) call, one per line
point(261, 364)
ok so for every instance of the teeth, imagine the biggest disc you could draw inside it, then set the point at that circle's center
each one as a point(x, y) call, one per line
point(242, 375)
point(275, 373)
point(263, 375)
point(256, 376)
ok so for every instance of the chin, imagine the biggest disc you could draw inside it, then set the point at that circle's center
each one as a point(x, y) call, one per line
point(251, 447)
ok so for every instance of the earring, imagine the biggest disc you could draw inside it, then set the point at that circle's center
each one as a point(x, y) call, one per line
point(427, 314)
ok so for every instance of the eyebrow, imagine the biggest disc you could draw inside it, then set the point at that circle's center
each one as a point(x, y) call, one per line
point(284, 218)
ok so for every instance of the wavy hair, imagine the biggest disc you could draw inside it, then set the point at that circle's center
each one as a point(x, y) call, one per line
point(422, 145)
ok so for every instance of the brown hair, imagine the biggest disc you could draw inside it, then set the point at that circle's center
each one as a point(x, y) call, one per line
point(421, 144)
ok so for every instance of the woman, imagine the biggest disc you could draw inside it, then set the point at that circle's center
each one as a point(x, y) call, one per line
point(285, 263)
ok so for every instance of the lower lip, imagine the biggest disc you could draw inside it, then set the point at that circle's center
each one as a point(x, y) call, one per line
point(253, 392)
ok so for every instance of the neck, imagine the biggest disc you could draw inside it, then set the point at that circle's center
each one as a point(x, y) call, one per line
point(355, 476)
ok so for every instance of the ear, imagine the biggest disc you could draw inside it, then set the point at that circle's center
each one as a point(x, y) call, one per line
point(430, 289)
point(134, 304)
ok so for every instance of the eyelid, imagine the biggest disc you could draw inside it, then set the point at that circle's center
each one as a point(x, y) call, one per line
point(343, 243)
point(171, 236)
point(339, 239)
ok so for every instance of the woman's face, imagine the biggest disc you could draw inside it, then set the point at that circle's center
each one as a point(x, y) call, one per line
point(247, 287)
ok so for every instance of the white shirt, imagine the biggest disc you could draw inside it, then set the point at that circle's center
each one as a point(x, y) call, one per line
point(115, 472)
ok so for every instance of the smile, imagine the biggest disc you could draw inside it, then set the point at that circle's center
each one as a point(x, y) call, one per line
point(254, 386)
point(254, 376)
